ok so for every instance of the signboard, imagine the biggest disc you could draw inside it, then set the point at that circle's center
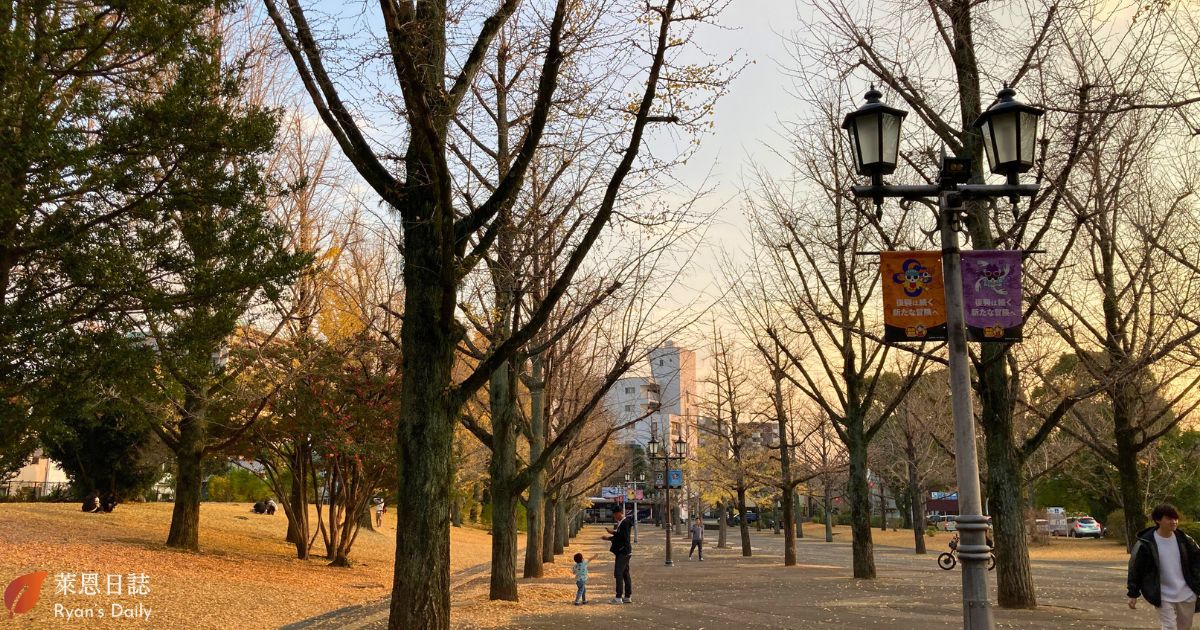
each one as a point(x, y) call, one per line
point(637, 494)
point(913, 296)
point(616, 493)
point(992, 294)
point(659, 482)
point(676, 478)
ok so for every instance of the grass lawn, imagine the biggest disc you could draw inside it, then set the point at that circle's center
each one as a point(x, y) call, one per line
point(1083, 549)
point(245, 575)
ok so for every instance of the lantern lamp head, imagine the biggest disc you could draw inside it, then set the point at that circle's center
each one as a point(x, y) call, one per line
point(1009, 129)
point(874, 131)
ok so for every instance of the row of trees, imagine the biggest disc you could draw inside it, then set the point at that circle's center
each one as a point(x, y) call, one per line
point(1109, 364)
point(186, 257)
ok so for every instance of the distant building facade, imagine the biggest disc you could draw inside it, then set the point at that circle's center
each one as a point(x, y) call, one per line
point(661, 404)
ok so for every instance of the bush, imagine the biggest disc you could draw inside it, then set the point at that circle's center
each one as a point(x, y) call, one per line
point(485, 516)
point(1115, 521)
point(1191, 529)
point(237, 485)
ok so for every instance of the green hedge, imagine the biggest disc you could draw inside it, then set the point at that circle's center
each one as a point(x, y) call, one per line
point(237, 485)
point(1115, 521)
point(485, 517)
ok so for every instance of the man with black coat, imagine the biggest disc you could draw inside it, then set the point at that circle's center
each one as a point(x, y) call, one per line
point(1164, 567)
point(622, 549)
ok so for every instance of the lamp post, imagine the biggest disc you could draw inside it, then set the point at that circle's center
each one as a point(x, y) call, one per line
point(1009, 130)
point(631, 484)
point(666, 457)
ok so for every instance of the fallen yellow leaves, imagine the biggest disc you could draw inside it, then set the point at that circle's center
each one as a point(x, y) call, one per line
point(246, 575)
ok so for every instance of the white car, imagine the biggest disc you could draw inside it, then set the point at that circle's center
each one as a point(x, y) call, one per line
point(1084, 527)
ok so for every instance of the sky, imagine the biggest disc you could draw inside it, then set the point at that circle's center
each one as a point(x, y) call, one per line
point(746, 121)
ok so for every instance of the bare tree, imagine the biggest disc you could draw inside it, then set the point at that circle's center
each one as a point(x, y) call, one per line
point(445, 237)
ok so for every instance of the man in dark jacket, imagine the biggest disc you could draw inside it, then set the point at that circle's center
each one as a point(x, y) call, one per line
point(1164, 567)
point(622, 550)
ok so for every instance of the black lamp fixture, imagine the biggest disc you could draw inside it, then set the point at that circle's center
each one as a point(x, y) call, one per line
point(874, 131)
point(1009, 129)
point(681, 447)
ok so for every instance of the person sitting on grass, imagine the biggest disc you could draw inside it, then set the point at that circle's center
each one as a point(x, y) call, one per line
point(91, 503)
point(271, 507)
point(581, 577)
point(109, 502)
point(260, 507)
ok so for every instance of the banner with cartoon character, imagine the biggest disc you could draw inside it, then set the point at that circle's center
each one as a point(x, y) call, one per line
point(992, 294)
point(913, 296)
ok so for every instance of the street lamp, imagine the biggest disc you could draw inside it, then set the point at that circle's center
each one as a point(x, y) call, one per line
point(875, 139)
point(681, 449)
point(630, 485)
point(1009, 130)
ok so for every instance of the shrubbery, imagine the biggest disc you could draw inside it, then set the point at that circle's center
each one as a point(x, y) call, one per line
point(1116, 526)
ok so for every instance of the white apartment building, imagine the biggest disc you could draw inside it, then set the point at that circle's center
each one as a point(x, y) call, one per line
point(663, 403)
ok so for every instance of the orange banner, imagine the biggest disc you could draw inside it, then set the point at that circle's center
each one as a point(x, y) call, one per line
point(913, 296)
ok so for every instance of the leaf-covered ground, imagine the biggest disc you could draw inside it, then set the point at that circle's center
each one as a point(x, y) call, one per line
point(245, 575)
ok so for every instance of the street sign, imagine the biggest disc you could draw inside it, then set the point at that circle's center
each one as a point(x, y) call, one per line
point(676, 478)
point(913, 296)
point(992, 294)
point(616, 493)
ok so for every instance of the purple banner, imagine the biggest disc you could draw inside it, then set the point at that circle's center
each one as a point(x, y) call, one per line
point(992, 294)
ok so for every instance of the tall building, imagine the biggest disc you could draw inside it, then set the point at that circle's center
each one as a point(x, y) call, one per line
point(632, 401)
point(662, 404)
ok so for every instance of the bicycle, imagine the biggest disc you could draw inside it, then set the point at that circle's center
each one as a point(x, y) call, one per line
point(949, 559)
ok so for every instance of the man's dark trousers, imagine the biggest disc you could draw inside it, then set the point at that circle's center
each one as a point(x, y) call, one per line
point(621, 573)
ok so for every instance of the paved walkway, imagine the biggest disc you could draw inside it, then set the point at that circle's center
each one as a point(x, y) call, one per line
point(727, 590)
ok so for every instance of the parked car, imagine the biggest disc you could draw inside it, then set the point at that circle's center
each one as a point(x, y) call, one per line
point(1084, 527)
point(948, 523)
point(751, 517)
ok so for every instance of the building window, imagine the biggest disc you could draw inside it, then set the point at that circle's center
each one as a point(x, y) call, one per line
point(628, 407)
point(628, 390)
point(660, 361)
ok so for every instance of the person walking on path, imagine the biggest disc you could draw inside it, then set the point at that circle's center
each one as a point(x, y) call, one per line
point(622, 550)
point(581, 577)
point(697, 530)
point(1164, 567)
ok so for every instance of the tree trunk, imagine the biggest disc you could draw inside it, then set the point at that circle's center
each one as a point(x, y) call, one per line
point(536, 510)
point(882, 506)
point(1014, 578)
point(796, 516)
point(425, 432)
point(548, 531)
point(366, 520)
point(916, 507)
point(742, 524)
point(560, 528)
point(535, 530)
point(503, 583)
point(828, 517)
point(185, 517)
point(722, 525)
point(789, 530)
point(860, 503)
point(1132, 500)
point(189, 454)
